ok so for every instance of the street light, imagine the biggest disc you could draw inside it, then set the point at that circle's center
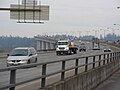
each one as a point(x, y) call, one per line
point(95, 33)
point(87, 33)
point(113, 29)
point(104, 31)
point(79, 33)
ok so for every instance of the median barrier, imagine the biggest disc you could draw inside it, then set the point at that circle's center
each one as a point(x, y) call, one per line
point(3, 55)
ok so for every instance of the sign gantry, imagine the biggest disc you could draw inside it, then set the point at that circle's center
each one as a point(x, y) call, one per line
point(28, 11)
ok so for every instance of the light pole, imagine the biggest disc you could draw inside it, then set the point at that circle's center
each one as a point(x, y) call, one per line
point(111, 29)
point(113, 32)
point(117, 24)
point(79, 33)
point(95, 33)
point(104, 32)
point(87, 33)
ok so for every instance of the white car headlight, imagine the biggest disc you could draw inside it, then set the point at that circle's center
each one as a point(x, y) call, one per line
point(9, 61)
point(57, 48)
point(24, 60)
point(67, 48)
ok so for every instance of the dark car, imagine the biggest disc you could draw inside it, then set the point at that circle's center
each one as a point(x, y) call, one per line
point(107, 49)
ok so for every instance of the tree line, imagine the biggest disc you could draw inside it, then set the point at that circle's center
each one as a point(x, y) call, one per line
point(9, 42)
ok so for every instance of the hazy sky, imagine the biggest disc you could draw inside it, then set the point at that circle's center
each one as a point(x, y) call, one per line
point(76, 17)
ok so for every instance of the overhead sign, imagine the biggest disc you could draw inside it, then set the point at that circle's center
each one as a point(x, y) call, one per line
point(30, 2)
point(29, 12)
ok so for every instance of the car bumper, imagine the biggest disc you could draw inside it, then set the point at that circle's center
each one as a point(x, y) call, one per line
point(61, 50)
point(107, 50)
point(16, 63)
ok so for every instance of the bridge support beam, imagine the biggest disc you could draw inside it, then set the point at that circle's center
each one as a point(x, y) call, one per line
point(38, 45)
point(45, 43)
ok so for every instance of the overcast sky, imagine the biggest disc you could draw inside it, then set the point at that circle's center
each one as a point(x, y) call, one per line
point(75, 17)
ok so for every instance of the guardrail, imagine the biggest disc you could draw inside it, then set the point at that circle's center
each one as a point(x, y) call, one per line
point(97, 61)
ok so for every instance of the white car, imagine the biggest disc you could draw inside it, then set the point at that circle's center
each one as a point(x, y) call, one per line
point(22, 55)
point(96, 47)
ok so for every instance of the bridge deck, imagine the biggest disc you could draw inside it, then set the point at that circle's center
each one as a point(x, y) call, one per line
point(113, 83)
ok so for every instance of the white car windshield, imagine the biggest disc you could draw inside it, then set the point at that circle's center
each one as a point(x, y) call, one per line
point(82, 46)
point(62, 43)
point(107, 48)
point(19, 52)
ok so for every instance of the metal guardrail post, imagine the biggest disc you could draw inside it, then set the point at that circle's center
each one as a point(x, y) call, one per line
point(12, 79)
point(116, 55)
point(110, 57)
point(114, 61)
point(99, 60)
point(113, 56)
point(119, 57)
point(93, 62)
point(107, 58)
point(116, 58)
point(43, 80)
point(104, 59)
point(76, 64)
point(63, 68)
point(86, 62)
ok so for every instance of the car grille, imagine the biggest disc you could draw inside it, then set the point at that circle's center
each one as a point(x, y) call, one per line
point(16, 60)
point(61, 48)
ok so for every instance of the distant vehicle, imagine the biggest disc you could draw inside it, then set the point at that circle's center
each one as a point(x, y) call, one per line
point(96, 47)
point(22, 55)
point(87, 42)
point(82, 43)
point(96, 44)
point(107, 49)
point(66, 47)
point(82, 48)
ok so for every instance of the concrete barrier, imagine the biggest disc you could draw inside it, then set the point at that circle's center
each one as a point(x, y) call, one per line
point(86, 80)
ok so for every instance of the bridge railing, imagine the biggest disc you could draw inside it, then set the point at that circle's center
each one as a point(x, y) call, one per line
point(90, 63)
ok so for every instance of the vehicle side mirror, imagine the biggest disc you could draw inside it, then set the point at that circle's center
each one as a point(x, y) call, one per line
point(30, 54)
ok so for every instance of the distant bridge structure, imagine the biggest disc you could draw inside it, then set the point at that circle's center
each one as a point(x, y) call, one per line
point(45, 43)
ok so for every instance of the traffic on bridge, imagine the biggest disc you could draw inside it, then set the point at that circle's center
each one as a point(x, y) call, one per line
point(59, 45)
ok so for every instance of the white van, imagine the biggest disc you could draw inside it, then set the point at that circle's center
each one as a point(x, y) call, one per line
point(22, 55)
